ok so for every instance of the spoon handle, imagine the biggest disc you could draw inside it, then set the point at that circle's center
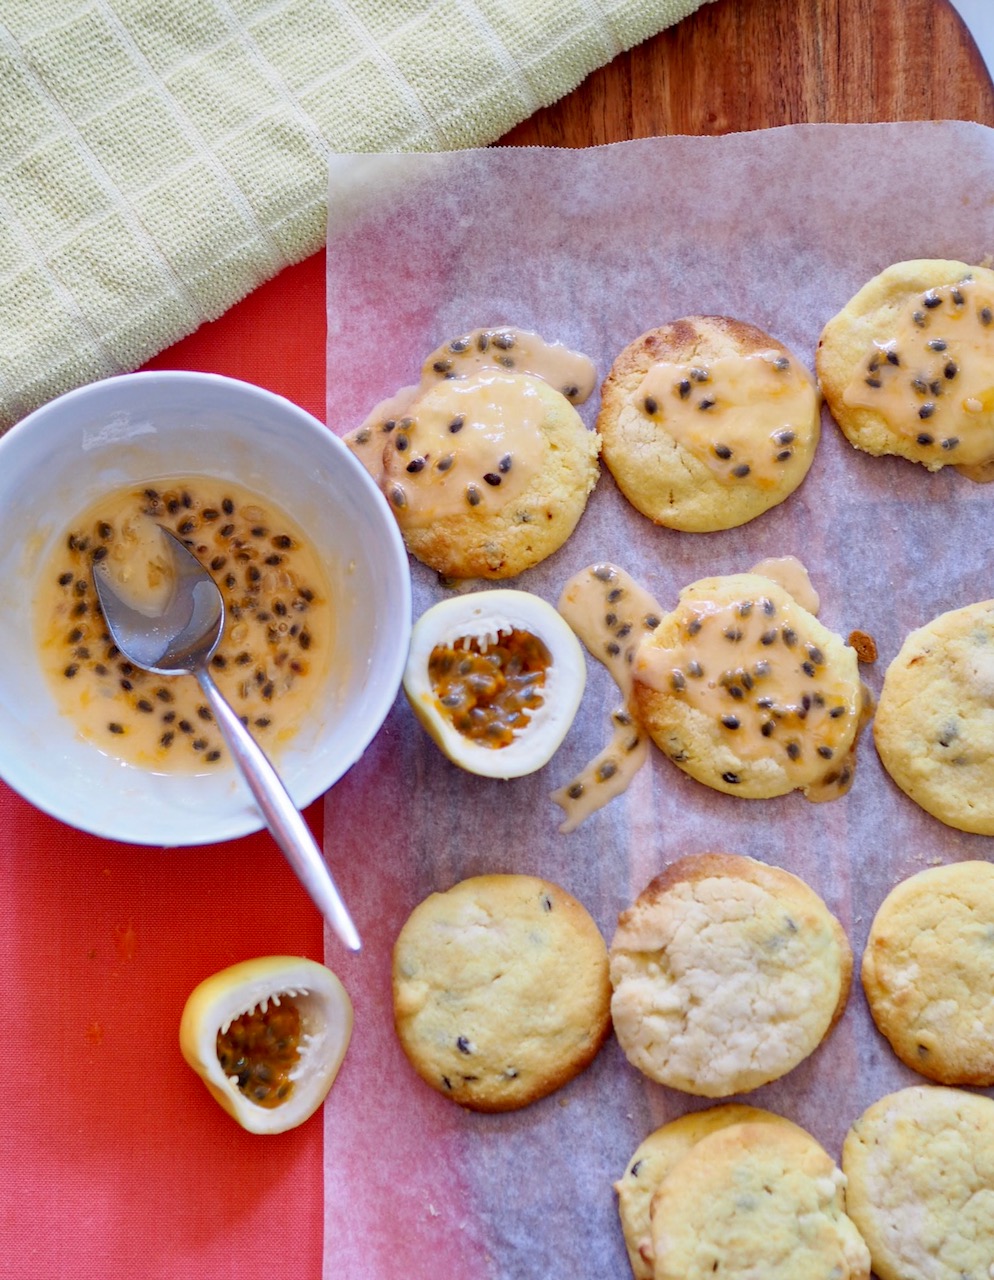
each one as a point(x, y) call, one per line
point(283, 818)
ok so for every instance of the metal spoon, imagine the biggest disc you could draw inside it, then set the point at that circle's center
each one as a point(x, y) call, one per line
point(179, 640)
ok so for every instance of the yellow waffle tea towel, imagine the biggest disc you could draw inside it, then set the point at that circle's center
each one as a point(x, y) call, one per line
point(161, 158)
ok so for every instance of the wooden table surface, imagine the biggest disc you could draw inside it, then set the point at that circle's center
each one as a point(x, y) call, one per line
point(752, 64)
point(733, 65)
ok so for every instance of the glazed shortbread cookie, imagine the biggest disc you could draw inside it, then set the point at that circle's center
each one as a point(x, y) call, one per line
point(928, 972)
point(501, 990)
point(656, 1157)
point(920, 1170)
point(747, 692)
point(726, 973)
point(934, 725)
point(755, 1200)
point(486, 465)
point(906, 366)
point(511, 350)
point(707, 422)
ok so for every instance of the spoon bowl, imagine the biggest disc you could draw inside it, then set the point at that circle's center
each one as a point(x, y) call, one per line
point(181, 635)
point(176, 635)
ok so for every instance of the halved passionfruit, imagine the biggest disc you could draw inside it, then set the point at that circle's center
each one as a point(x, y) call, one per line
point(496, 678)
point(267, 1037)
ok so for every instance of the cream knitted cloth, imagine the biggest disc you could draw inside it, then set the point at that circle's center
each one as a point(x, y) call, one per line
point(161, 158)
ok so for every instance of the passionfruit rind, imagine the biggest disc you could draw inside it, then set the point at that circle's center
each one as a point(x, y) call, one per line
point(257, 985)
point(484, 616)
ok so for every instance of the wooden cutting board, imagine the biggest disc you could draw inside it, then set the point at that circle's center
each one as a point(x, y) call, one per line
point(753, 64)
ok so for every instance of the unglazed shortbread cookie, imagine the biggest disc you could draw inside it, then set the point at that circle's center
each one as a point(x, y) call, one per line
point(656, 1157)
point(934, 725)
point(755, 1200)
point(501, 990)
point(486, 473)
point(747, 692)
point(920, 1170)
point(907, 366)
point(928, 972)
point(707, 422)
point(726, 973)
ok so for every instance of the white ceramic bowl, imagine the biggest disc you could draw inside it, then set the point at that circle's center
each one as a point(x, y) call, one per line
point(63, 457)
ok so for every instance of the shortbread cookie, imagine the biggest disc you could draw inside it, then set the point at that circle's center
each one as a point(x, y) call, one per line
point(726, 973)
point(508, 349)
point(707, 422)
point(486, 474)
point(905, 367)
point(928, 972)
point(748, 693)
point(501, 990)
point(656, 1157)
point(934, 725)
point(920, 1170)
point(755, 1200)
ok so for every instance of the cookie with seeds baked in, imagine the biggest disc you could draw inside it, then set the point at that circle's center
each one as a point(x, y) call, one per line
point(486, 474)
point(501, 991)
point(756, 1200)
point(928, 972)
point(656, 1157)
point(726, 973)
point(934, 724)
point(707, 422)
point(747, 692)
point(905, 366)
point(919, 1166)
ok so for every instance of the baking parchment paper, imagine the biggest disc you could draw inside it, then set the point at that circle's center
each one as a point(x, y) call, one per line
point(591, 248)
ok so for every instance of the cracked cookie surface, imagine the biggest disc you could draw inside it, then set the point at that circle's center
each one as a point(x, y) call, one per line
point(727, 973)
point(501, 990)
point(934, 724)
point(928, 972)
point(656, 1157)
point(707, 422)
point(756, 1200)
point(920, 1170)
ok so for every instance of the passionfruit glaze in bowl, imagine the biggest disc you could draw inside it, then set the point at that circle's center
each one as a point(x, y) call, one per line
point(145, 431)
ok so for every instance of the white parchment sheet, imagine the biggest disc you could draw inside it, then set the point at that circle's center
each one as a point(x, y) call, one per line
point(591, 248)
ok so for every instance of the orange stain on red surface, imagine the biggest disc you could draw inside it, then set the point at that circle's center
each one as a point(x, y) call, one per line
point(126, 941)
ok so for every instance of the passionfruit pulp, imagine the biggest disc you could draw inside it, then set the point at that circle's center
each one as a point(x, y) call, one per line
point(496, 678)
point(267, 1037)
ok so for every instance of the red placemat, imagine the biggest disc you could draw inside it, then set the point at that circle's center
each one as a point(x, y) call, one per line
point(114, 1160)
